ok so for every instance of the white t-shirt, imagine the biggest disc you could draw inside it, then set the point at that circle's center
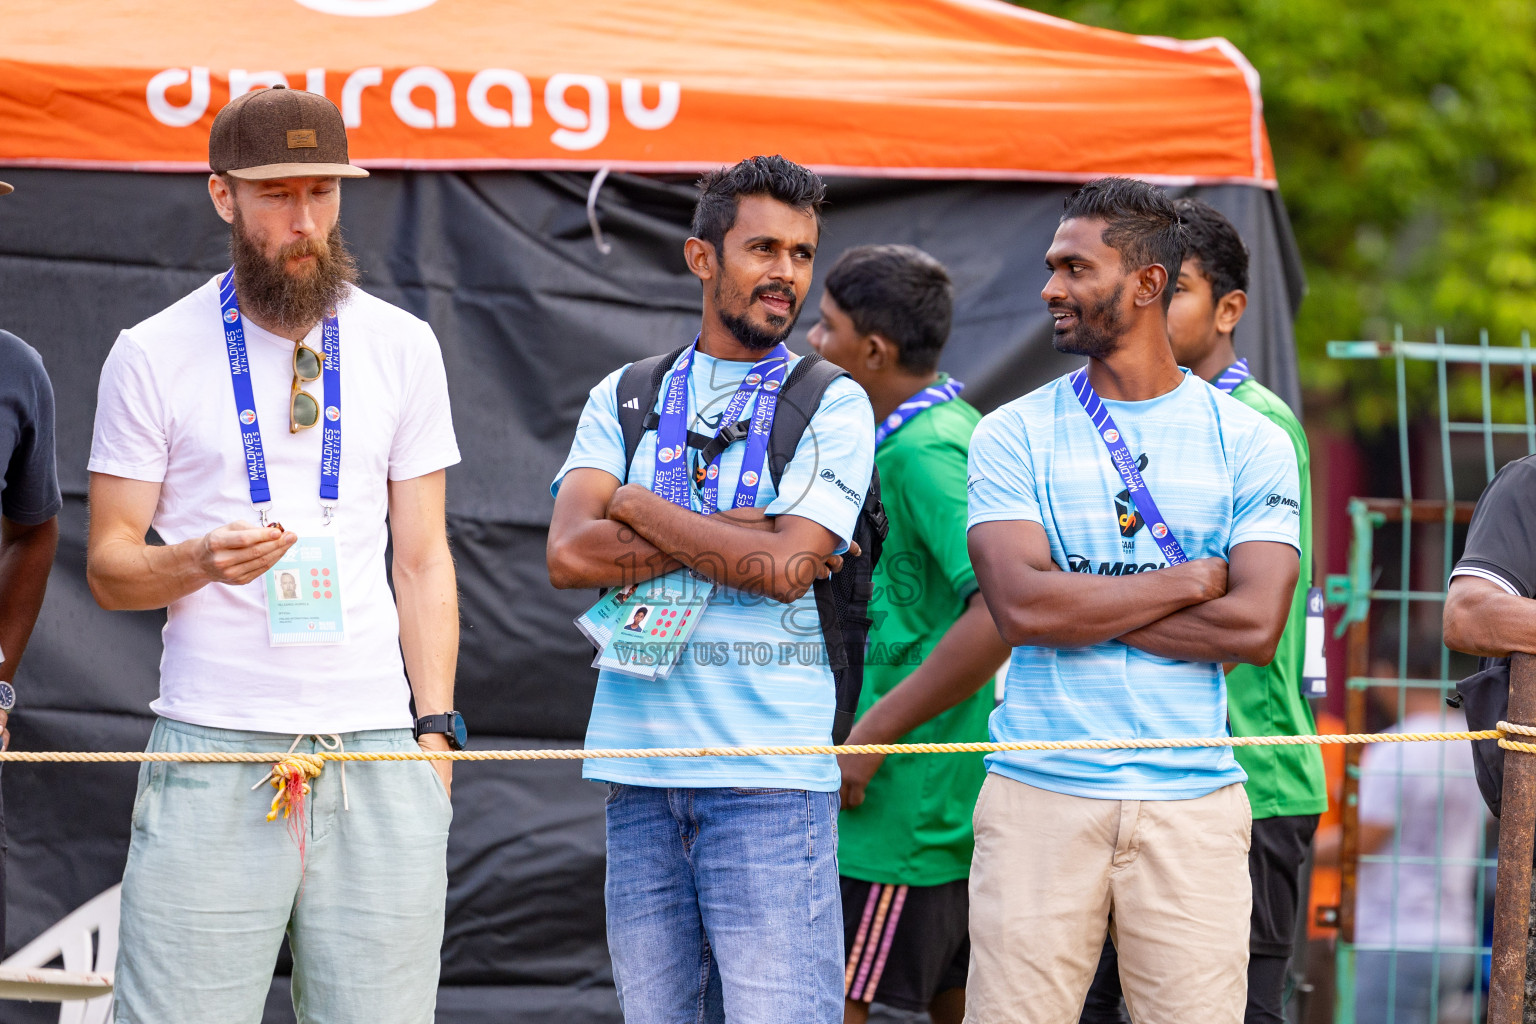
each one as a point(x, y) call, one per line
point(1424, 894)
point(166, 413)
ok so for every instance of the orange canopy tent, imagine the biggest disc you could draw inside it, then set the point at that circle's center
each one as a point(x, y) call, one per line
point(896, 88)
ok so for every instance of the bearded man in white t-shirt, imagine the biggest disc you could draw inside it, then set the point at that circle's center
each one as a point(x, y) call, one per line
point(206, 433)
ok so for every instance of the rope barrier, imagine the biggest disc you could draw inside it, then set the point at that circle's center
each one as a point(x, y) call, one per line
point(1517, 730)
point(291, 772)
point(313, 761)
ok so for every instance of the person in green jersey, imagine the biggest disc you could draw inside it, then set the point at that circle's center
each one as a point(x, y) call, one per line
point(1285, 785)
point(905, 847)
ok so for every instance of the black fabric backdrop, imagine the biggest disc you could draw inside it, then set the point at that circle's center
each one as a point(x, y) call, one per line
point(530, 315)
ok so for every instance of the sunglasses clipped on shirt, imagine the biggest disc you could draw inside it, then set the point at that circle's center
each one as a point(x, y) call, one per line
point(303, 410)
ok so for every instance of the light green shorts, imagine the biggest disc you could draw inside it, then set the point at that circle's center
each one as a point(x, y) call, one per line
point(211, 887)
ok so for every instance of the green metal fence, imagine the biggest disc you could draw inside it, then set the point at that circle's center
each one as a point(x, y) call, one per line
point(1462, 412)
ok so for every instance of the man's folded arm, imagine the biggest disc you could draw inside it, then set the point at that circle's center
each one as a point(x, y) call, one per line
point(1035, 604)
point(779, 557)
point(588, 549)
point(1244, 624)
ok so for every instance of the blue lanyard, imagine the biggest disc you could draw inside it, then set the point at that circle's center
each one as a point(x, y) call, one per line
point(245, 405)
point(330, 423)
point(671, 474)
point(1232, 376)
point(1120, 455)
point(932, 395)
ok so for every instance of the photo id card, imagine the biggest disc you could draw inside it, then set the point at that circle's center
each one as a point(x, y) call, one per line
point(598, 622)
point(304, 595)
point(643, 630)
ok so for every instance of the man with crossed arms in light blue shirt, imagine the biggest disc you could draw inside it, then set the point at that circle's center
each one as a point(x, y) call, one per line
point(722, 890)
point(1172, 511)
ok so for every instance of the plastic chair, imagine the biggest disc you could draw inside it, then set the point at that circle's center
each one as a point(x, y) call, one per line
point(71, 938)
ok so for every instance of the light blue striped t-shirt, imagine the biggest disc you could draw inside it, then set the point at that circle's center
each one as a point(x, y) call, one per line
point(766, 680)
point(1221, 474)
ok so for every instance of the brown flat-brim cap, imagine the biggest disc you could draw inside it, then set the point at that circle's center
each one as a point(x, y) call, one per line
point(5, 189)
point(280, 133)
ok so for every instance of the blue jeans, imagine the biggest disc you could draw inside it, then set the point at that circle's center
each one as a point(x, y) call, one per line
point(723, 904)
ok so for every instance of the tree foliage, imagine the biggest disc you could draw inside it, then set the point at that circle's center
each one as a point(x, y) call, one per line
point(1404, 134)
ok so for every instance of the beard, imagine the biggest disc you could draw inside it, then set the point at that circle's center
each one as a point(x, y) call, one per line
point(286, 302)
point(748, 334)
point(1098, 329)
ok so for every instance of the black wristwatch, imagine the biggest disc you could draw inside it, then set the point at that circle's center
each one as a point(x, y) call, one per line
point(450, 723)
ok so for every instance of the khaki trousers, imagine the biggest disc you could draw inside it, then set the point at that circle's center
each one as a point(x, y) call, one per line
point(1050, 869)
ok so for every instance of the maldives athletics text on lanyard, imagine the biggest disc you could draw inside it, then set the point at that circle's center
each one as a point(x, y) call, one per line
point(671, 475)
point(303, 589)
point(1120, 455)
point(946, 390)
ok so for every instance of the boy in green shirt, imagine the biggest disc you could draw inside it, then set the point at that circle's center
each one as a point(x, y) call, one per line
point(905, 847)
point(1285, 785)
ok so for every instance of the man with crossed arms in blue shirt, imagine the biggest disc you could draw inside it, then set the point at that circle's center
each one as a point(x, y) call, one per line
point(722, 891)
point(1172, 511)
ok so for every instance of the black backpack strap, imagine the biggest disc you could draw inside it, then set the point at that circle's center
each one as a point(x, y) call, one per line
point(710, 446)
point(638, 386)
point(798, 401)
point(729, 434)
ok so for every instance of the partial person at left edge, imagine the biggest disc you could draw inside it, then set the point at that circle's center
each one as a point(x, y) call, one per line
point(205, 431)
point(29, 519)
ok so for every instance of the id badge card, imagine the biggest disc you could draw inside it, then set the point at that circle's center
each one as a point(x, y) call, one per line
point(304, 595)
point(647, 626)
point(1314, 670)
point(598, 622)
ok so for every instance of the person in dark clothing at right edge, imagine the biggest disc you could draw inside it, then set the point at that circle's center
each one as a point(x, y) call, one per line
point(1286, 786)
point(29, 519)
point(1489, 612)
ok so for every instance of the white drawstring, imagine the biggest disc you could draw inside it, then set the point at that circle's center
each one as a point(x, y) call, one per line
point(334, 743)
point(340, 748)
